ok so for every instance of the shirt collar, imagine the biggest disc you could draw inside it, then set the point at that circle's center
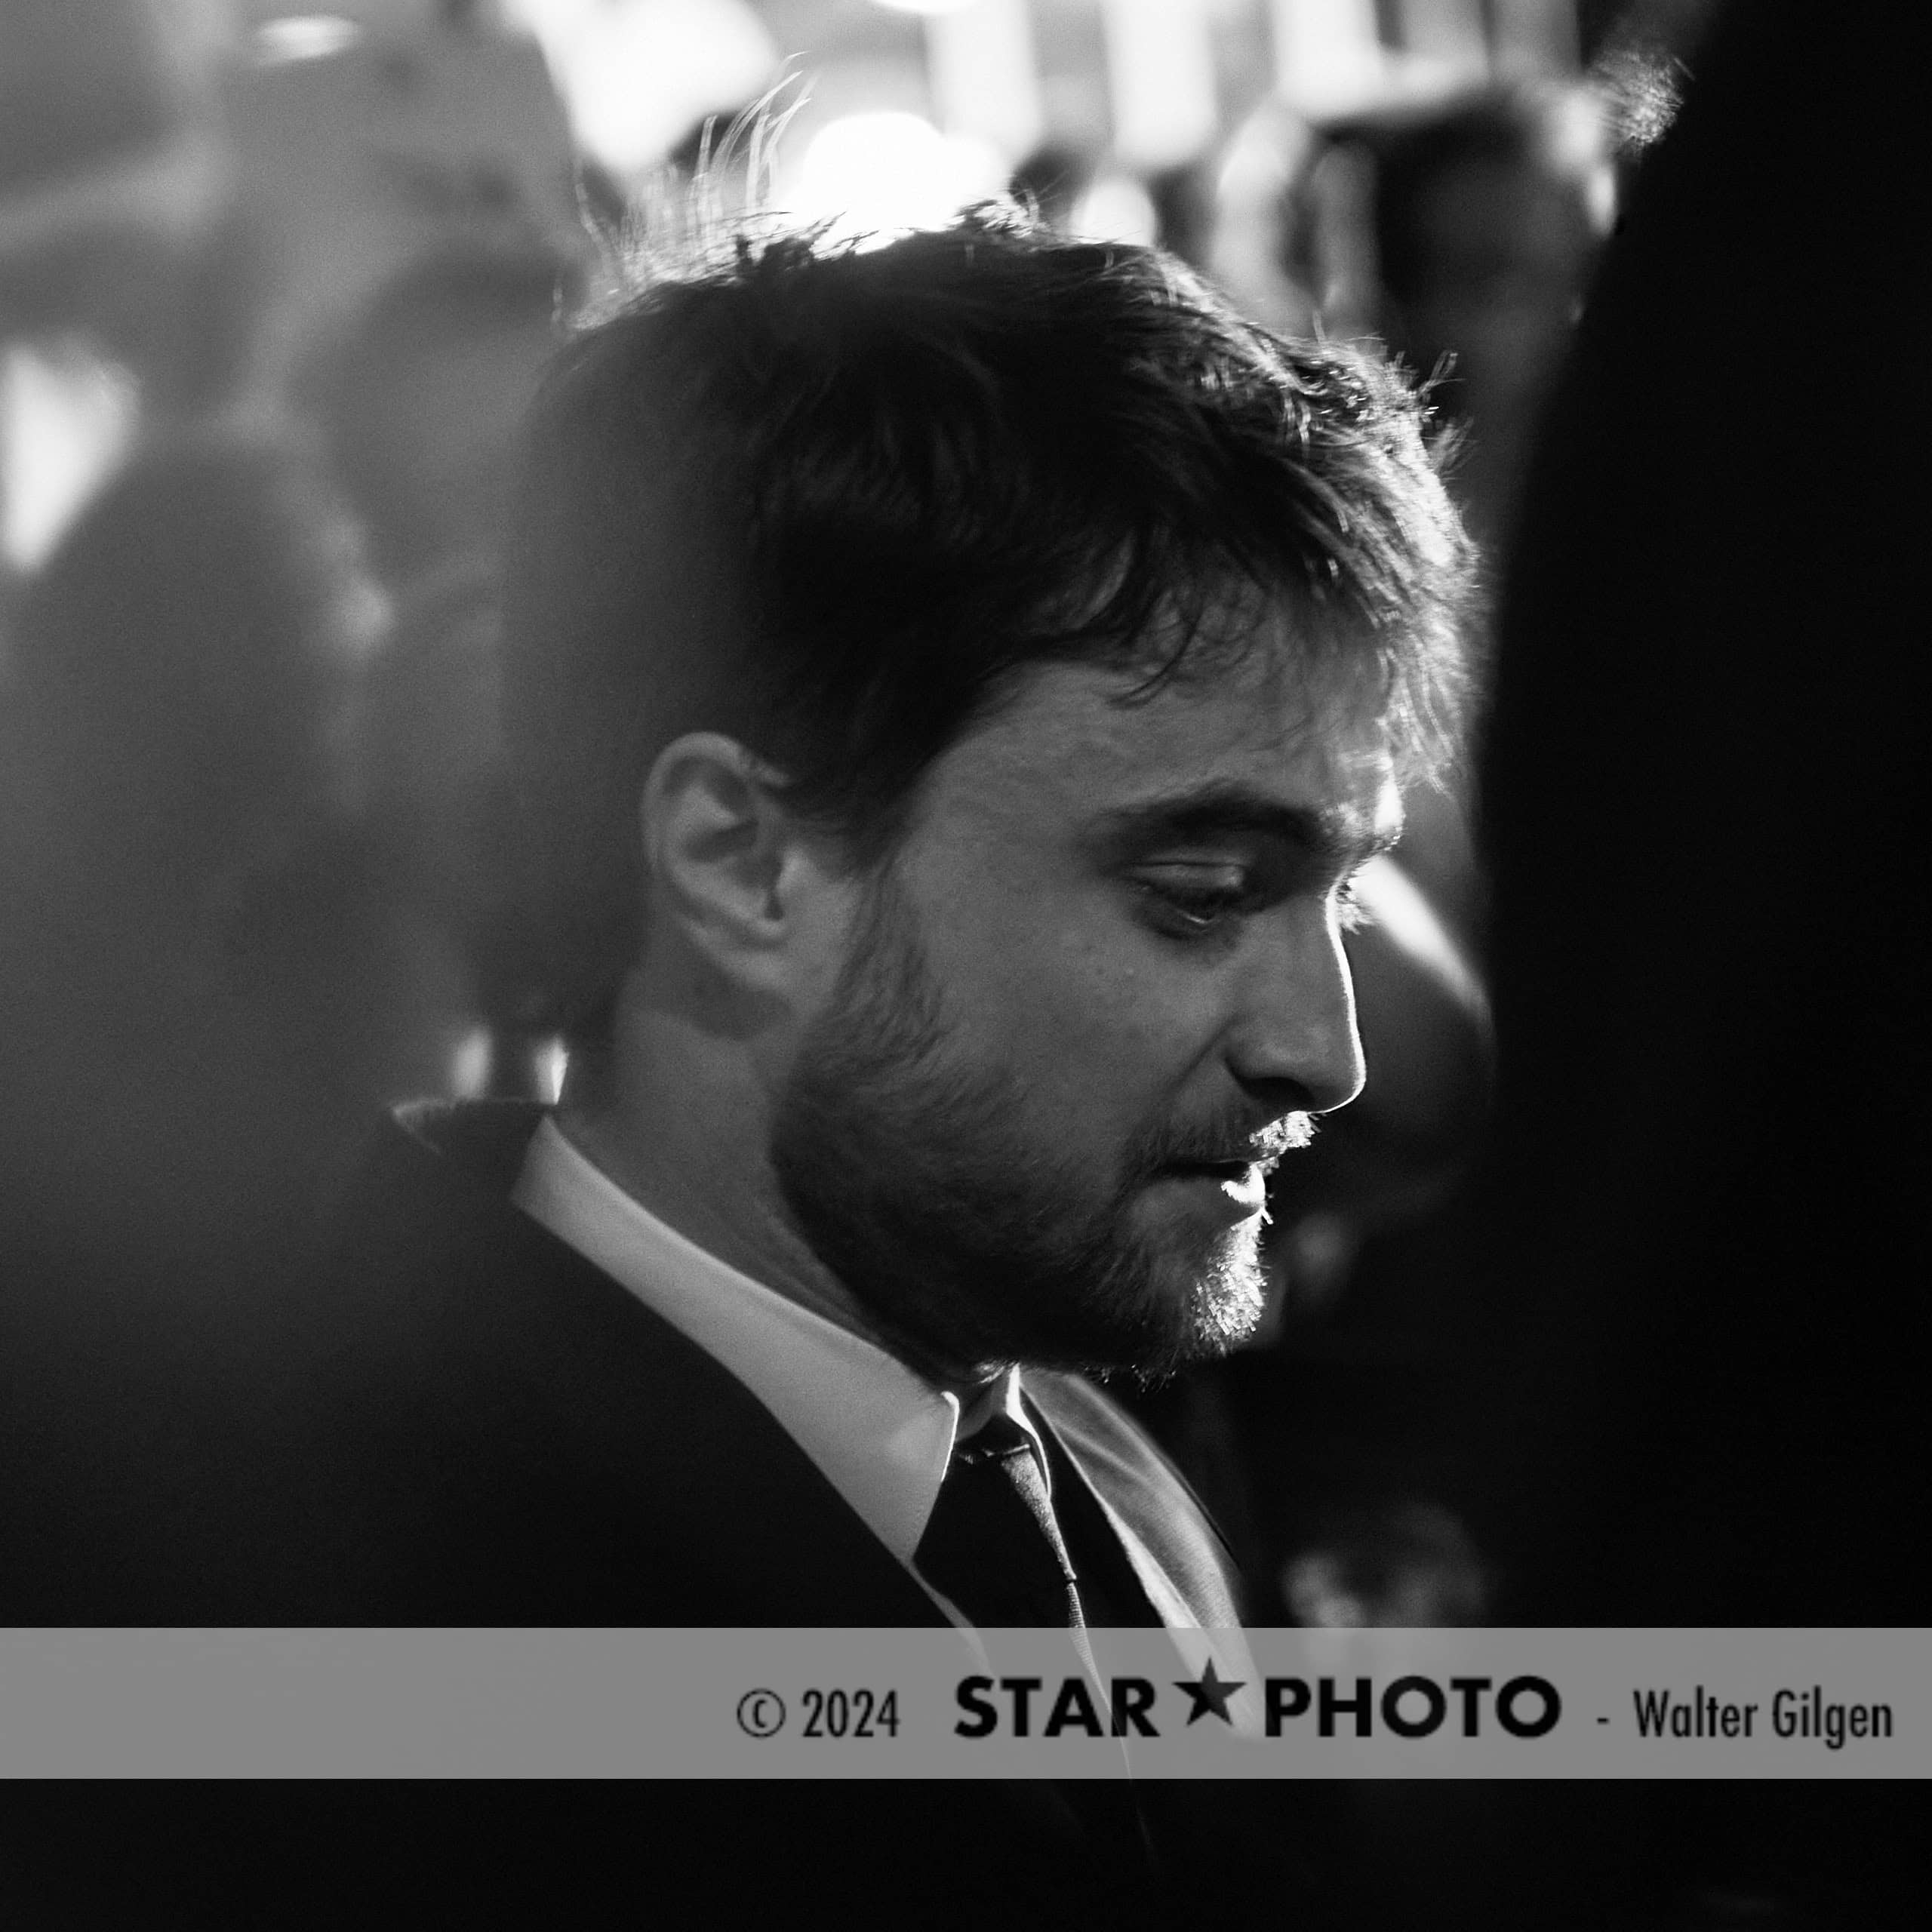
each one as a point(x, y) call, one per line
point(879, 1434)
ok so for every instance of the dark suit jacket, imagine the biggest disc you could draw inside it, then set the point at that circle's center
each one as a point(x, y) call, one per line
point(496, 1432)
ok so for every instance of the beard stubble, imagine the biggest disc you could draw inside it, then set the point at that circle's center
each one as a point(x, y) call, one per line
point(910, 1173)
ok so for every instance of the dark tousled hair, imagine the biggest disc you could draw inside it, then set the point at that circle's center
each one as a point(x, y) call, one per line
point(833, 500)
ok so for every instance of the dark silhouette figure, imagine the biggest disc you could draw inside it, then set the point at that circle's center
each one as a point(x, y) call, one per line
point(1701, 1238)
point(1704, 807)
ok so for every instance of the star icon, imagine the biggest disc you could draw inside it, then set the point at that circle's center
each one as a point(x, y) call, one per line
point(1211, 1693)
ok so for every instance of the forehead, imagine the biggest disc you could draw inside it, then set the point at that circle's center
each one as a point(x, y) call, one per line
point(1075, 745)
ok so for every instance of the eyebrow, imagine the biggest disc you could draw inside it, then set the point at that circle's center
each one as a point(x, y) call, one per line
point(1334, 839)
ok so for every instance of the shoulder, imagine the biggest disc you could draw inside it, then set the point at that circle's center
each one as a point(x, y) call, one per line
point(503, 1433)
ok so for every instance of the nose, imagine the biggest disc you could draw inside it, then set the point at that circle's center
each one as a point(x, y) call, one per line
point(1293, 1037)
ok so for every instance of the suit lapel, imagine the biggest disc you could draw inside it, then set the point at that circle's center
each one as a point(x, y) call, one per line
point(1166, 1533)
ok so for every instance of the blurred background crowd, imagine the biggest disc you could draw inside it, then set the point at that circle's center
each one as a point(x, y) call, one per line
point(274, 286)
point(274, 289)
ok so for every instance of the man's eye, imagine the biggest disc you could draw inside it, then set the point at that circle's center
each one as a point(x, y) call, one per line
point(1189, 905)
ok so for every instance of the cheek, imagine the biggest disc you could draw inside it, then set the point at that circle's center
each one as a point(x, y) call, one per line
point(1095, 1037)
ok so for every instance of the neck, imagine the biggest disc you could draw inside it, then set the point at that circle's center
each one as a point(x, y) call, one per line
point(679, 1116)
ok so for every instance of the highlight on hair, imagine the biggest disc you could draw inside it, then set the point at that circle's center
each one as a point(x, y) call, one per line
point(834, 500)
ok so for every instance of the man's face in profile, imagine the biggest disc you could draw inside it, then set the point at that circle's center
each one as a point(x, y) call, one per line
point(1094, 994)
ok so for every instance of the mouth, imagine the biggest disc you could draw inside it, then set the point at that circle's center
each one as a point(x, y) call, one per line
point(1243, 1183)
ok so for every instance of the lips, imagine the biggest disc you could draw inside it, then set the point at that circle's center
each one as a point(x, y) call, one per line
point(1234, 1153)
point(1238, 1166)
point(1243, 1178)
point(1240, 1186)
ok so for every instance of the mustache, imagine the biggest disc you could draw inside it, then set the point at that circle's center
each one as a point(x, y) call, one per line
point(1234, 1140)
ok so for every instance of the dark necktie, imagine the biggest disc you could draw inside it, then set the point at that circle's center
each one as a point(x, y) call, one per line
point(992, 1545)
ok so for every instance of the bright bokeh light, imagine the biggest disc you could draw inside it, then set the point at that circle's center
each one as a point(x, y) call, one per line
point(1161, 69)
point(1116, 208)
point(304, 37)
point(68, 420)
point(924, 6)
point(1328, 54)
point(879, 174)
point(639, 75)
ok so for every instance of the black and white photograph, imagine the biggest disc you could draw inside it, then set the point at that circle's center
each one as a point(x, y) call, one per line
point(969, 816)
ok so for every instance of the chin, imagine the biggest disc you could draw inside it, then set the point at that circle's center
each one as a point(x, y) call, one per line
point(1199, 1304)
point(1227, 1306)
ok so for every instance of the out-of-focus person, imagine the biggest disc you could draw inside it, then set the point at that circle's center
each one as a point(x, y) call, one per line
point(432, 126)
point(127, 284)
point(206, 983)
point(418, 406)
point(204, 987)
point(419, 399)
point(1459, 230)
point(1486, 213)
point(175, 725)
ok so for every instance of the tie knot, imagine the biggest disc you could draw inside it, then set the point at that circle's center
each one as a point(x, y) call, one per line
point(992, 1544)
point(999, 1435)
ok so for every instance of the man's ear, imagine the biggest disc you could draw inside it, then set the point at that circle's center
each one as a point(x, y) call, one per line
point(729, 866)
